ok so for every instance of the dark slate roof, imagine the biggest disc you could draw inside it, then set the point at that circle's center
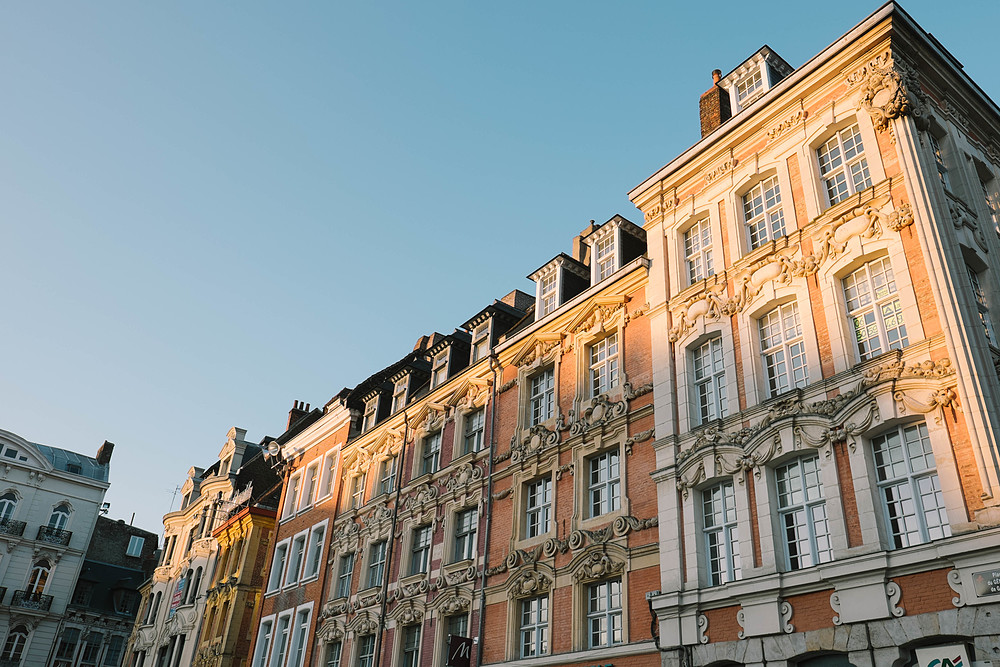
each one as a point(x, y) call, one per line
point(67, 461)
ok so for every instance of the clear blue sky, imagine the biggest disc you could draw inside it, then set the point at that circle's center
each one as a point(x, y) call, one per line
point(208, 210)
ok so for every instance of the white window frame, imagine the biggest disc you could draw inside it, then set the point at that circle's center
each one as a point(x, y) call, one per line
point(763, 212)
point(311, 483)
point(867, 309)
point(783, 351)
point(916, 482)
point(279, 560)
point(537, 507)
point(721, 534)
point(473, 430)
point(430, 454)
point(548, 292)
point(604, 364)
point(533, 627)
point(331, 658)
point(300, 636)
point(466, 534)
point(605, 255)
point(356, 498)
point(439, 368)
point(697, 248)
point(387, 470)
point(296, 552)
point(749, 87)
point(399, 393)
point(371, 413)
point(990, 200)
point(708, 370)
point(345, 575)
point(604, 480)
point(314, 553)
point(265, 635)
point(409, 647)
point(420, 550)
point(292, 496)
point(366, 651)
point(541, 396)
point(802, 516)
point(328, 476)
point(855, 170)
point(480, 341)
point(135, 544)
point(603, 616)
point(281, 641)
point(375, 574)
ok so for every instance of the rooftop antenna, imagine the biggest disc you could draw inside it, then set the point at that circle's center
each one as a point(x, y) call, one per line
point(173, 498)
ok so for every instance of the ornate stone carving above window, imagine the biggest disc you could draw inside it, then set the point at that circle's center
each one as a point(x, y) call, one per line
point(528, 583)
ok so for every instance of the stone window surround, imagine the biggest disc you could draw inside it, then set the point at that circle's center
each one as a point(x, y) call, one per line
point(687, 406)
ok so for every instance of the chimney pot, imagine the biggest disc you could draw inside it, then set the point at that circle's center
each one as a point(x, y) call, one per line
point(716, 75)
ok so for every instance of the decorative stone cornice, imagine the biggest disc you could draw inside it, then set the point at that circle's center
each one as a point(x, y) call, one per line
point(528, 583)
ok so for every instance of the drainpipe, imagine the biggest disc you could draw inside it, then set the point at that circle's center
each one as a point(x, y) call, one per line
point(495, 366)
point(391, 547)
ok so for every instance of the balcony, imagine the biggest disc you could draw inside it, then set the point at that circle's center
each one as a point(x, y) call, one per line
point(11, 527)
point(28, 600)
point(54, 535)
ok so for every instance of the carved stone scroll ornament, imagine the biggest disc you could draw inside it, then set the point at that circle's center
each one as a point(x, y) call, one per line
point(739, 465)
point(685, 483)
point(598, 566)
point(331, 631)
point(894, 593)
point(642, 436)
point(563, 469)
point(538, 439)
point(786, 612)
point(507, 385)
point(464, 476)
point(835, 605)
point(889, 90)
point(702, 629)
point(843, 433)
point(629, 392)
point(410, 615)
point(601, 411)
point(366, 626)
point(421, 498)
point(454, 604)
point(500, 495)
point(940, 399)
point(955, 582)
point(963, 216)
point(528, 583)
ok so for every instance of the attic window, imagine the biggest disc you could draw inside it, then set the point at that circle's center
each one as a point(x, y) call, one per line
point(547, 294)
point(481, 341)
point(399, 394)
point(749, 86)
point(439, 370)
point(371, 406)
point(10, 453)
point(73, 468)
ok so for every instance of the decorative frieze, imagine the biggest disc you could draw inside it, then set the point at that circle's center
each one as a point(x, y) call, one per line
point(598, 565)
point(787, 124)
point(528, 583)
point(722, 170)
point(599, 412)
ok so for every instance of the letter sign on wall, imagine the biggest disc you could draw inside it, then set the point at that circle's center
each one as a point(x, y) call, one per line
point(943, 656)
point(459, 651)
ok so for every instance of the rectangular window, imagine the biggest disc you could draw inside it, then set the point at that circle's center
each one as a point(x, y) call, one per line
point(481, 341)
point(430, 458)
point(783, 350)
point(466, 523)
point(989, 197)
point(366, 651)
point(604, 365)
point(982, 306)
point(292, 500)
point(439, 369)
point(605, 484)
point(908, 483)
point(357, 497)
point(457, 626)
point(604, 613)
point(547, 294)
point(538, 507)
point(420, 552)
point(91, 649)
point(710, 380)
point(332, 656)
point(309, 490)
point(344, 574)
point(843, 166)
point(762, 213)
point(315, 557)
point(411, 646)
point(604, 256)
point(399, 394)
point(280, 642)
point(278, 566)
point(387, 475)
point(534, 627)
point(474, 427)
point(802, 513)
point(297, 653)
point(942, 170)
point(135, 544)
point(263, 643)
point(329, 474)
point(722, 542)
point(295, 559)
point(874, 310)
point(371, 413)
point(698, 251)
point(376, 563)
point(748, 86)
point(542, 397)
point(113, 656)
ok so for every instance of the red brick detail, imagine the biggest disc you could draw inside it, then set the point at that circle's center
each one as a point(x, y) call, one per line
point(798, 194)
point(848, 500)
point(722, 625)
point(925, 592)
point(965, 461)
point(754, 521)
point(714, 109)
point(738, 362)
point(812, 611)
point(725, 234)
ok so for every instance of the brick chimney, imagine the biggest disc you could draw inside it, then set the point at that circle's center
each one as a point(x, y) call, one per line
point(715, 108)
point(581, 251)
point(299, 410)
point(104, 453)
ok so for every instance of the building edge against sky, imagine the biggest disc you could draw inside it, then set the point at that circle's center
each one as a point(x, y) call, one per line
point(758, 429)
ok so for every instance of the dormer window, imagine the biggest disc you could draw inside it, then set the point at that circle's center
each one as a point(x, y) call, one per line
point(399, 393)
point(439, 368)
point(547, 293)
point(748, 86)
point(371, 413)
point(604, 257)
point(481, 341)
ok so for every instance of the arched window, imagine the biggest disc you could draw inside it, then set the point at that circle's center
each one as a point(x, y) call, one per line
point(39, 575)
point(153, 608)
point(8, 502)
point(14, 646)
point(59, 516)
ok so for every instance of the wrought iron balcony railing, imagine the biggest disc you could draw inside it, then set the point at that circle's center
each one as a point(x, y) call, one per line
point(29, 600)
point(54, 535)
point(11, 527)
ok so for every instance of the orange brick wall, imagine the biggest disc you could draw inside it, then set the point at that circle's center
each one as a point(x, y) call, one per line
point(812, 611)
point(925, 592)
point(722, 625)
